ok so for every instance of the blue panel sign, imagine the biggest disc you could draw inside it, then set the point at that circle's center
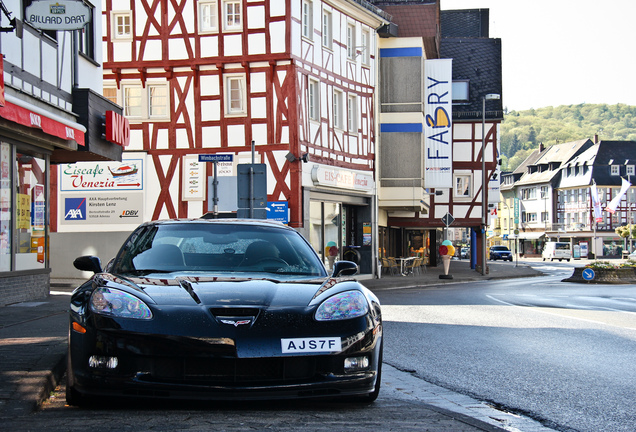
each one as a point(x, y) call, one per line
point(278, 211)
point(588, 274)
point(216, 158)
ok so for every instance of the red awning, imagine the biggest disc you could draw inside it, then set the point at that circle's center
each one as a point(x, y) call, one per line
point(19, 111)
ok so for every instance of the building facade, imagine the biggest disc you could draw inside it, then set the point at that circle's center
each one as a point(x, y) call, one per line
point(51, 112)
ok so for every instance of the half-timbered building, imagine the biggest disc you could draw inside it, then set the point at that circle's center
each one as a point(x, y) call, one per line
point(295, 78)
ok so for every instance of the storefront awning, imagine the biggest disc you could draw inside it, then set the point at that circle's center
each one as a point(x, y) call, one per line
point(26, 114)
point(531, 235)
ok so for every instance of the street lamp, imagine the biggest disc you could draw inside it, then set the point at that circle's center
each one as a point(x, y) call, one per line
point(484, 183)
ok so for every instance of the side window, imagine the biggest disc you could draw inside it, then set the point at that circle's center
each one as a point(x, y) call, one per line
point(232, 15)
point(122, 25)
point(235, 95)
point(208, 16)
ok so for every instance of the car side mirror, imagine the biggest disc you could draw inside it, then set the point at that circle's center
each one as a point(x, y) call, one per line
point(88, 263)
point(345, 268)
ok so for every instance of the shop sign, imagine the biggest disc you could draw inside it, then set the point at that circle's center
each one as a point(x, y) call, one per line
point(117, 129)
point(438, 127)
point(341, 178)
point(33, 119)
point(101, 176)
point(58, 14)
point(92, 208)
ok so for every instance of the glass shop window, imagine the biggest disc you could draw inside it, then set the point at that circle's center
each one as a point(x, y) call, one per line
point(30, 212)
point(5, 207)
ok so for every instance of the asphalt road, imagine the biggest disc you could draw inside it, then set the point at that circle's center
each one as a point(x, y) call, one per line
point(561, 353)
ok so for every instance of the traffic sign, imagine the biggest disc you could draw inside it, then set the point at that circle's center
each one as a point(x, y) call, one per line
point(448, 219)
point(278, 211)
point(216, 158)
point(588, 274)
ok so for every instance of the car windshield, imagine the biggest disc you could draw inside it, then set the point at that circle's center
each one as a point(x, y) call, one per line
point(194, 247)
point(500, 248)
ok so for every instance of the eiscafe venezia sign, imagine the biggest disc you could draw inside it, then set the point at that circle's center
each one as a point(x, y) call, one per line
point(341, 178)
point(57, 15)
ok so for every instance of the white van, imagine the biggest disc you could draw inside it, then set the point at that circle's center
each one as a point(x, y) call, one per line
point(557, 250)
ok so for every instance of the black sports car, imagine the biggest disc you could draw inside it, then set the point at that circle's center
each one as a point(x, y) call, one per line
point(221, 309)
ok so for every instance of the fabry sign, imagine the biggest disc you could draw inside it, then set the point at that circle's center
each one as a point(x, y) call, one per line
point(58, 15)
point(438, 127)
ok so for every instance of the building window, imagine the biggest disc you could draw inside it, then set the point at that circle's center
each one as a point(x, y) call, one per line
point(110, 93)
point(337, 109)
point(157, 101)
point(140, 102)
point(462, 186)
point(308, 19)
point(232, 15)
point(314, 100)
point(235, 95)
point(122, 27)
point(460, 91)
point(327, 37)
point(366, 47)
point(208, 16)
point(529, 193)
point(544, 217)
point(544, 192)
point(87, 36)
point(352, 114)
point(630, 170)
point(615, 170)
point(351, 42)
point(132, 101)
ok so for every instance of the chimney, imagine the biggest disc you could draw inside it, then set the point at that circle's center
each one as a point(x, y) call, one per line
point(541, 147)
point(595, 138)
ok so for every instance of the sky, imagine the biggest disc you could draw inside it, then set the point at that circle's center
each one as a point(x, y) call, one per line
point(563, 52)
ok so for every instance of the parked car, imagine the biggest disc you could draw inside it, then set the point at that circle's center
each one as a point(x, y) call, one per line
point(221, 309)
point(500, 252)
point(556, 250)
point(465, 253)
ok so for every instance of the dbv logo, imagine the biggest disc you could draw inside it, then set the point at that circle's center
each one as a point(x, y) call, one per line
point(75, 209)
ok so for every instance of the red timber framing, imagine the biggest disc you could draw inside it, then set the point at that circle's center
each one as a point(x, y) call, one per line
point(467, 212)
point(165, 45)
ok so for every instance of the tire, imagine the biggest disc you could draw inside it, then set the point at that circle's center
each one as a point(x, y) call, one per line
point(568, 260)
point(543, 259)
point(560, 260)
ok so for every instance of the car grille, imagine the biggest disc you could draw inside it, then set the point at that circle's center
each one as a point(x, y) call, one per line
point(228, 370)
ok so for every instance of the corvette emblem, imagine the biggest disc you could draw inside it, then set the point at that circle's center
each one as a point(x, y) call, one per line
point(235, 323)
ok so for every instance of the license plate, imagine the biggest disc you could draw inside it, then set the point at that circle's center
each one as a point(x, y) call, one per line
point(311, 345)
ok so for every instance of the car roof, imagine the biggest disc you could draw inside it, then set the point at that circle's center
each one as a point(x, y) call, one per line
point(226, 221)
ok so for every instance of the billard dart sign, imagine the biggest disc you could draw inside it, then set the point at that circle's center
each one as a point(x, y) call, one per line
point(57, 15)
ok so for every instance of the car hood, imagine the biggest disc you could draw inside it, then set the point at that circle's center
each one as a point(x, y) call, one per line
point(184, 291)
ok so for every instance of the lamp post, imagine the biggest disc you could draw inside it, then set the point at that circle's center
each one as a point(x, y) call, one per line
point(484, 179)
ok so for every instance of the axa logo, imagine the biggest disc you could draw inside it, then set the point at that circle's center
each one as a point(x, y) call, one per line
point(236, 323)
point(74, 209)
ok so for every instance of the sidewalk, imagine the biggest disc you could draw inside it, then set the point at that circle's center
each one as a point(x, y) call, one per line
point(33, 339)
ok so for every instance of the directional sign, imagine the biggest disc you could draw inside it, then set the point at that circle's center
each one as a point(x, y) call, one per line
point(278, 211)
point(448, 219)
point(588, 274)
point(216, 158)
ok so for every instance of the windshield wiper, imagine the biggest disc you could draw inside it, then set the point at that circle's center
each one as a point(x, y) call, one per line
point(143, 272)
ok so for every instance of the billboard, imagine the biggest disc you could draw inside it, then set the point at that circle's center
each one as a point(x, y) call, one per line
point(438, 124)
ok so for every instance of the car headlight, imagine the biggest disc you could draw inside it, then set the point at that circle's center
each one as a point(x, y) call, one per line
point(112, 302)
point(346, 305)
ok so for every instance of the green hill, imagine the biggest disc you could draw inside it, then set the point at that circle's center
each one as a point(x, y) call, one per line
point(522, 131)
